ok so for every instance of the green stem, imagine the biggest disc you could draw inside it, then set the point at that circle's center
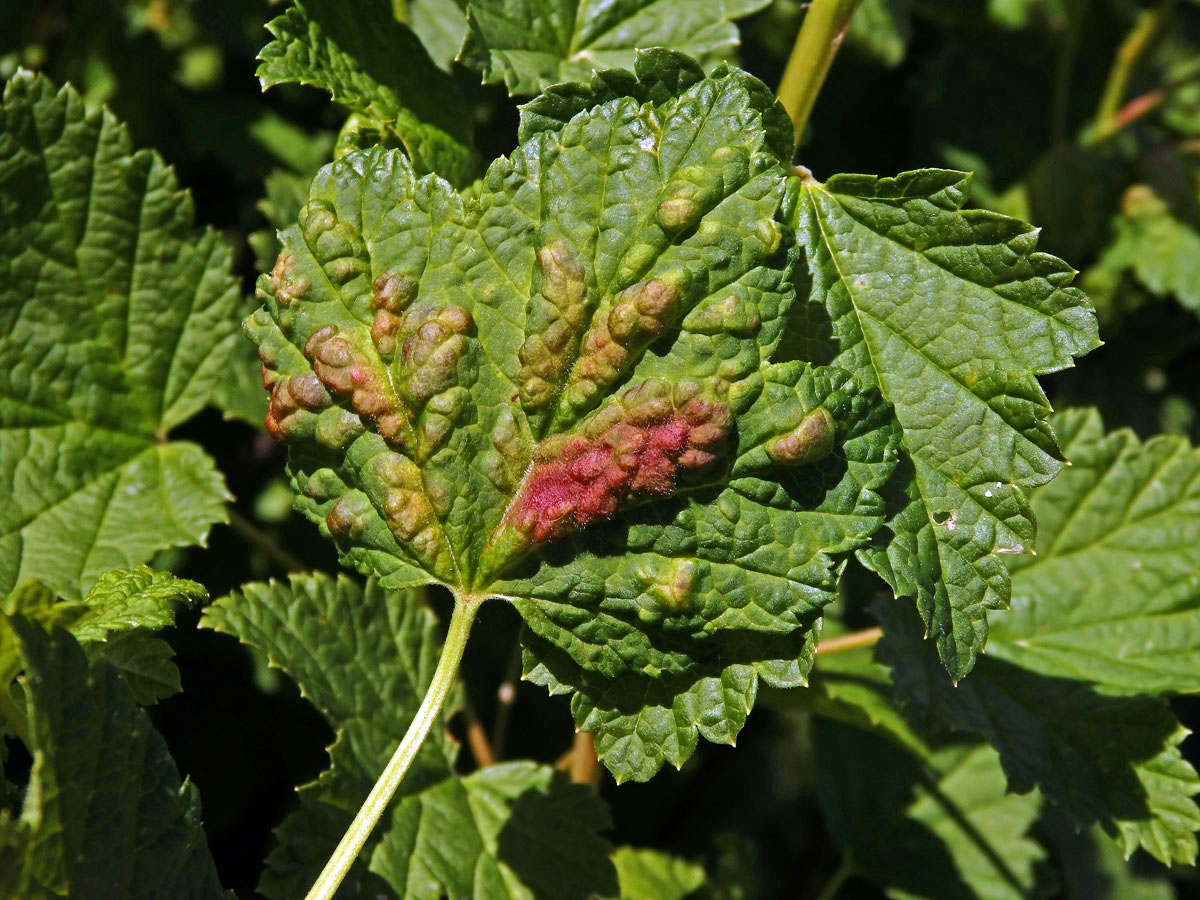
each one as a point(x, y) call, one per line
point(258, 538)
point(817, 43)
point(1151, 24)
point(855, 640)
point(16, 720)
point(372, 809)
point(834, 885)
point(400, 10)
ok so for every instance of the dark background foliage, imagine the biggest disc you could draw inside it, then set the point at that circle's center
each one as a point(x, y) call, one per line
point(1007, 89)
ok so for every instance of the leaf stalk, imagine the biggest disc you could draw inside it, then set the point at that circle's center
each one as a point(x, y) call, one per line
point(373, 807)
point(856, 640)
point(1149, 28)
point(820, 36)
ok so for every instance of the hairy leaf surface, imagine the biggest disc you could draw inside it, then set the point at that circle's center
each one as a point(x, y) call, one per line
point(559, 391)
point(116, 319)
point(376, 67)
point(364, 657)
point(952, 314)
point(105, 813)
point(532, 44)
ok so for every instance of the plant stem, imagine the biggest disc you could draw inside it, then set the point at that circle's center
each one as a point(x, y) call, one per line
point(477, 739)
point(1144, 103)
point(263, 541)
point(506, 696)
point(1150, 26)
point(856, 639)
point(372, 809)
point(817, 43)
point(584, 765)
point(834, 885)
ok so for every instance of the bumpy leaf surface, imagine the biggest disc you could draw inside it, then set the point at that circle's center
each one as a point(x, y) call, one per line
point(376, 67)
point(116, 318)
point(364, 657)
point(105, 814)
point(952, 314)
point(1115, 760)
point(941, 827)
point(1113, 596)
point(532, 44)
point(112, 623)
point(560, 392)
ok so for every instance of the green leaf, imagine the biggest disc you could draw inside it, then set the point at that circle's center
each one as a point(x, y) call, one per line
point(512, 830)
point(1161, 248)
point(364, 657)
point(117, 321)
point(952, 314)
point(559, 392)
point(1093, 868)
point(881, 29)
point(1115, 760)
point(110, 623)
point(377, 68)
point(127, 599)
point(1112, 597)
point(852, 688)
point(37, 603)
point(123, 605)
point(442, 27)
point(532, 44)
point(652, 875)
point(943, 828)
point(105, 814)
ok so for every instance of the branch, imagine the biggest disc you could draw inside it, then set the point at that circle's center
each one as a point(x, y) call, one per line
point(258, 538)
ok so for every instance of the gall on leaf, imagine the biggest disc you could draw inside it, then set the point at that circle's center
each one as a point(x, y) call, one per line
point(561, 391)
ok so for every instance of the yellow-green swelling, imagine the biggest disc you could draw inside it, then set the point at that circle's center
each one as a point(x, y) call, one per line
point(373, 807)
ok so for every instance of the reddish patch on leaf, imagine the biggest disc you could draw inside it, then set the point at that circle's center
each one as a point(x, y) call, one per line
point(581, 480)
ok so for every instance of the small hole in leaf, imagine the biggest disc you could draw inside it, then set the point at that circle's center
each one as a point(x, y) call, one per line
point(941, 518)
